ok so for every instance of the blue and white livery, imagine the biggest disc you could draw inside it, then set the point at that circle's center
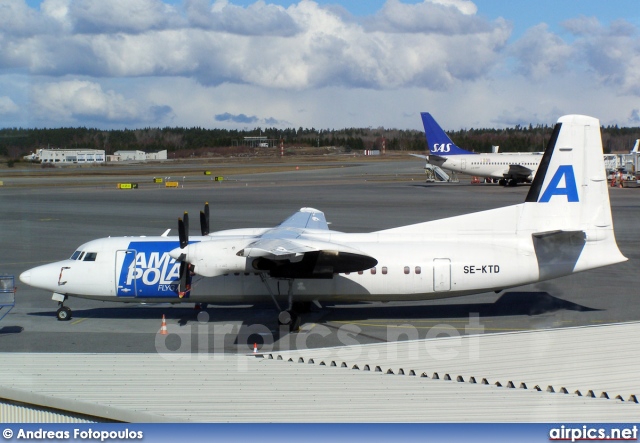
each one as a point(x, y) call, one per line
point(507, 168)
point(564, 226)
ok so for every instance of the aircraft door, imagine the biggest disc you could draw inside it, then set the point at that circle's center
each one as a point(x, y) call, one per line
point(463, 164)
point(441, 275)
point(126, 273)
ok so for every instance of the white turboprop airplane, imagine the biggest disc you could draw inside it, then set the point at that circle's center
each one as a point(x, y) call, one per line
point(508, 168)
point(564, 226)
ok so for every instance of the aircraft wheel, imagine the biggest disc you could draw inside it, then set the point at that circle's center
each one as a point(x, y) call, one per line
point(285, 318)
point(502, 182)
point(63, 314)
point(289, 318)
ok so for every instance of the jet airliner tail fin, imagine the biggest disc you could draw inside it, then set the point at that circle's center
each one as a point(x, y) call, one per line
point(438, 141)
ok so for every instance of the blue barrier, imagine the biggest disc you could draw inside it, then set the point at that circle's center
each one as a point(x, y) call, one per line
point(7, 294)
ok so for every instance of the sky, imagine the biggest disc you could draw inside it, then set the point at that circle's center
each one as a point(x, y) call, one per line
point(324, 64)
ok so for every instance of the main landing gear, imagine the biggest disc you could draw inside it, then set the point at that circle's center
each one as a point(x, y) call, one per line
point(289, 317)
point(508, 182)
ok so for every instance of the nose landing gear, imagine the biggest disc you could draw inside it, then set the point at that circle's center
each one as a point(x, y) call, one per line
point(63, 313)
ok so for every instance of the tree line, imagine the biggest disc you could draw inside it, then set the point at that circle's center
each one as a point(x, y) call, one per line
point(17, 142)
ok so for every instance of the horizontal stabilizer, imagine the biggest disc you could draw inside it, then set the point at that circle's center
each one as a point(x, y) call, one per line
point(558, 252)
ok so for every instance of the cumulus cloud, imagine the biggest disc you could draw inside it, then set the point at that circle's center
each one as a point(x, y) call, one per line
point(80, 99)
point(7, 106)
point(112, 16)
point(611, 52)
point(437, 16)
point(239, 118)
point(256, 19)
point(245, 119)
point(16, 18)
point(303, 46)
point(541, 53)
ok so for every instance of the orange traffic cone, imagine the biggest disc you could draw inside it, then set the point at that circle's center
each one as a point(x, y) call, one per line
point(255, 348)
point(163, 328)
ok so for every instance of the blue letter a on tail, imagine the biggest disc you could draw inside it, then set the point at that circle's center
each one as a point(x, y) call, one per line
point(570, 189)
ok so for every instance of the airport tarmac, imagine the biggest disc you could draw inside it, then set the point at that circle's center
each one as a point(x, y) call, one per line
point(44, 218)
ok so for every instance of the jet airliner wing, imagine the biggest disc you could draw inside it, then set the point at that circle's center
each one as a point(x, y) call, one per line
point(519, 171)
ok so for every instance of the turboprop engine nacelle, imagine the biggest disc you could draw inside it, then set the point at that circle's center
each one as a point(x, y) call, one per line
point(212, 258)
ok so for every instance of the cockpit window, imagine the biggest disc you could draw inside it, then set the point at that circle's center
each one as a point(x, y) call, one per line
point(90, 256)
point(81, 255)
point(75, 255)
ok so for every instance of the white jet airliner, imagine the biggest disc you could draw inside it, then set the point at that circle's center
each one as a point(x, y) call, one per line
point(508, 168)
point(564, 226)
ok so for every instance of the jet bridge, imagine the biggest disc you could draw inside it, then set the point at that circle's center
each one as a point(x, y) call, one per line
point(7, 294)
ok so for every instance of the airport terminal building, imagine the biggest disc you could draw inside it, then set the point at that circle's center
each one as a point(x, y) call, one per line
point(67, 156)
point(139, 155)
point(84, 156)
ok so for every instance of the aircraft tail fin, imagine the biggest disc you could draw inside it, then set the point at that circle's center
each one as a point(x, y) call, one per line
point(438, 141)
point(635, 147)
point(567, 209)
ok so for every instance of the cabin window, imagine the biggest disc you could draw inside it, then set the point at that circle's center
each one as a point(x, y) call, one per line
point(418, 270)
point(90, 256)
point(384, 270)
point(407, 269)
point(360, 272)
point(373, 271)
point(75, 255)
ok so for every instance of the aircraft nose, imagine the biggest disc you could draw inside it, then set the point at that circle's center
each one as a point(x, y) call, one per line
point(43, 277)
point(25, 277)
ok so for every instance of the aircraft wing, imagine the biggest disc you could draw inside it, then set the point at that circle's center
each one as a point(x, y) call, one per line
point(518, 171)
point(305, 218)
point(287, 251)
point(296, 248)
point(434, 157)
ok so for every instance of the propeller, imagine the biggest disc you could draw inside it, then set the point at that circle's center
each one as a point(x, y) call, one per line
point(204, 220)
point(186, 269)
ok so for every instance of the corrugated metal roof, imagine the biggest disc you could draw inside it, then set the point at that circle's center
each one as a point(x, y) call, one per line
point(237, 388)
point(592, 360)
point(18, 413)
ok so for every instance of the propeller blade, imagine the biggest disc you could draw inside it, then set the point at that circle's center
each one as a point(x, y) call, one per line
point(204, 220)
point(185, 280)
point(183, 231)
